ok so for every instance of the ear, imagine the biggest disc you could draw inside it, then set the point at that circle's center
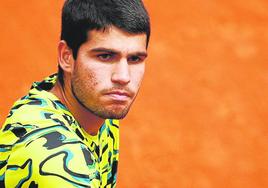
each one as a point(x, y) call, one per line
point(65, 57)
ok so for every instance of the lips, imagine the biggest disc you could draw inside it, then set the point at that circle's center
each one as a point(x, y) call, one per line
point(119, 95)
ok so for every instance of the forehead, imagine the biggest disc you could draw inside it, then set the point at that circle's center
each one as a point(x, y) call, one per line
point(117, 39)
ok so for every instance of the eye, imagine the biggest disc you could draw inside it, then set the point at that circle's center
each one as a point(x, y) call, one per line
point(135, 59)
point(105, 57)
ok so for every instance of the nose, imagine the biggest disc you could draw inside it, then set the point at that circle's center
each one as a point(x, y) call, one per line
point(121, 74)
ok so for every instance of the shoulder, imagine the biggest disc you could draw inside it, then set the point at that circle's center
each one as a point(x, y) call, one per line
point(37, 109)
point(36, 112)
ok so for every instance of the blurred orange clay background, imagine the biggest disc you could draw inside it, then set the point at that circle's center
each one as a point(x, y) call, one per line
point(200, 120)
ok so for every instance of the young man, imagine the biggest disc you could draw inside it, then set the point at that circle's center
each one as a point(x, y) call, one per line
point(64, 132)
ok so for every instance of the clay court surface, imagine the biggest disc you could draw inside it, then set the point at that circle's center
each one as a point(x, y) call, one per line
point(201, 119)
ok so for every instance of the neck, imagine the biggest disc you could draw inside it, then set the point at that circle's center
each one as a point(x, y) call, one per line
point(90, 122)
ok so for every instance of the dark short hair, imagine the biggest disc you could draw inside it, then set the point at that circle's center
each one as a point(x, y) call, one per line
point(81, 16)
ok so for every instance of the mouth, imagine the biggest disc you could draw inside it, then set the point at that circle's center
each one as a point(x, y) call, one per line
point(119, 95)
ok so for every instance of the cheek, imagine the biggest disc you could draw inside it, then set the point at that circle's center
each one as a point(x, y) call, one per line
point(87, 78)
point(137, 74)
point(91, 79)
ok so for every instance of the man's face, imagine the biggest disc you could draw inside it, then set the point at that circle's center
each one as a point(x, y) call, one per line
point(108, 71)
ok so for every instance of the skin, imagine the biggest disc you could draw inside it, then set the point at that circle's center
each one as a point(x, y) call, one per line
point(105, 78)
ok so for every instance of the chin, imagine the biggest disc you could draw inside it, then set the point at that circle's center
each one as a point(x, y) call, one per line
point(114, 113)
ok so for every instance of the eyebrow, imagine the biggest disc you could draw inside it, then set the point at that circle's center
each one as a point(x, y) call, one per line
point(112, 51)
point(104, 50)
